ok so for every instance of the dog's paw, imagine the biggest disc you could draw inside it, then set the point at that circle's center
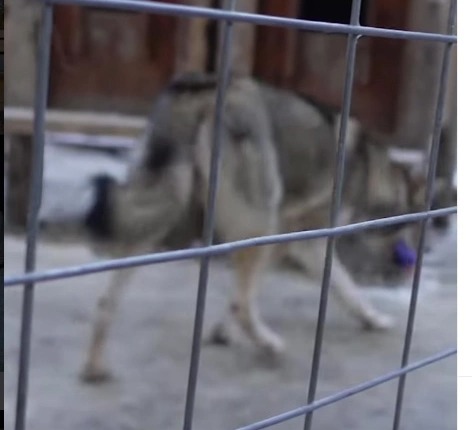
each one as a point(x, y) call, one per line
point(379, 322)
point(272, 345)
point(219, 335)
point(95, 375)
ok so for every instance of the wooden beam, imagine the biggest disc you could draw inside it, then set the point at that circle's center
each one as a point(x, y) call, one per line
point(19, 128)
point(275, 48)
point(19, 121)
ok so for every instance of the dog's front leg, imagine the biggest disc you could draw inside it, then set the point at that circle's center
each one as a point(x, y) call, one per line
point(94, 370)
point(350, 296)
point(310, 255)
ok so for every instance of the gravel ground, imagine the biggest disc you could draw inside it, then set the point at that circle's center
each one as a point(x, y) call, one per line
point(150, 344)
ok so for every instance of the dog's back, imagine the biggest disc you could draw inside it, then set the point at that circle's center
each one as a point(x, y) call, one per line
point(169, 176)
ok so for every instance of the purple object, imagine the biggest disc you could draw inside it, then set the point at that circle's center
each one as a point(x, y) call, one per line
point(403, 254)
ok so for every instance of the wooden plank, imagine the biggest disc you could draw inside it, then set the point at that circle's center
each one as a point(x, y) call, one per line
point(19, 121)
point(275, 48)
point(192, 36)
point(244, 37)
point(19, 127)
point(105, 60)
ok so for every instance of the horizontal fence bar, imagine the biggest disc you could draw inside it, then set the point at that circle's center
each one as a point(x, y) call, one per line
point(258, 19)
point(341, 395)
point(220, 249)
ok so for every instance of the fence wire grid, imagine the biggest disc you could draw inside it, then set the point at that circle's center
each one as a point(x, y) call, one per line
point(228, 15)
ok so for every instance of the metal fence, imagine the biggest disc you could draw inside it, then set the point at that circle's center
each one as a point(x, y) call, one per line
point(229, 16)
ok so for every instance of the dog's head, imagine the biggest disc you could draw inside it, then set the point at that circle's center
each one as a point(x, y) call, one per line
point(382, 186)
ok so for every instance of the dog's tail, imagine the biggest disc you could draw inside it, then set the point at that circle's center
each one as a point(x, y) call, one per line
point(153, 205)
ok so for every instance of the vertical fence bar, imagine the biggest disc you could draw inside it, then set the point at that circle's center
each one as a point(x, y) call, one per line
point(40, 104)
point(433, 158)
point(335, 205)
point(208, 229)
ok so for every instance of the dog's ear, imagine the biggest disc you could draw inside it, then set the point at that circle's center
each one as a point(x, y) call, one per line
point(382, 176)
point(442, 197)
point(411, 164)
point(416, 179)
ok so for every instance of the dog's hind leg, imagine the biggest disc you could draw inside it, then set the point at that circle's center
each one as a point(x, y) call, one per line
point(249, 264)
point(95, 370)
point(310, 256)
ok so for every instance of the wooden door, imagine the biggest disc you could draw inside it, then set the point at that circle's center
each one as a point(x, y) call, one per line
point(314, 63)
point(104, 59)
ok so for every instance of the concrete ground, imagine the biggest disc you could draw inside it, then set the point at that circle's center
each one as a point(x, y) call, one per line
point(150, 344)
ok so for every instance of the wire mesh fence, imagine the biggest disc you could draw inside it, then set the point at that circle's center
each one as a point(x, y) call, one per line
point(229, 16)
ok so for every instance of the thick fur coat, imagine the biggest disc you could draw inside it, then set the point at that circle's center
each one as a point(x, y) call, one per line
point(276, 175)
